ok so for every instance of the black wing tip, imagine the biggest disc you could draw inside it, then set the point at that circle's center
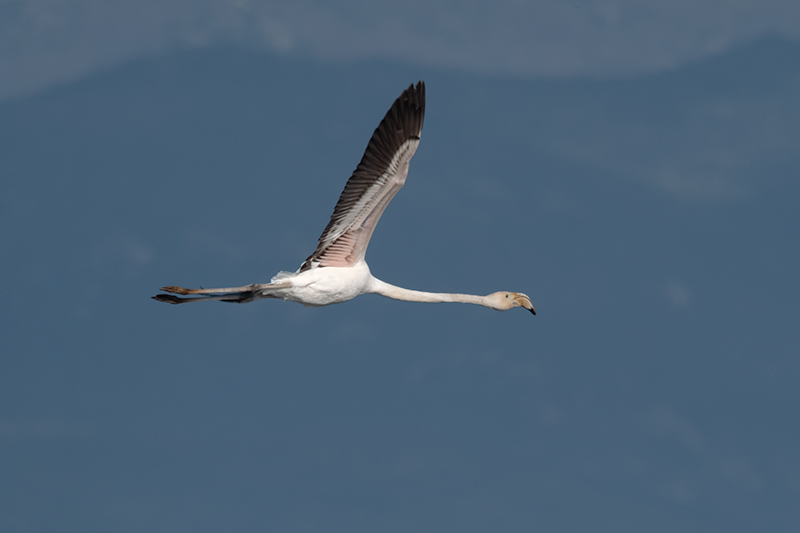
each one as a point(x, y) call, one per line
point(415, 94)
point(405, 117)
point(412, 102)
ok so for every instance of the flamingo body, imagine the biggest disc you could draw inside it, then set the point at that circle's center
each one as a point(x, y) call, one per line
point(323, 286)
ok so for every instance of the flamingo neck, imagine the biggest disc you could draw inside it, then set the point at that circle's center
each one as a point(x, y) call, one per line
point(399, 293)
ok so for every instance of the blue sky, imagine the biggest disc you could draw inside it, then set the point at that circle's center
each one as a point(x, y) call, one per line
point(647, 203)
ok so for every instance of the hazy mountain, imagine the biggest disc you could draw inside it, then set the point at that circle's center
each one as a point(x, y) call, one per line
point(47, 42)
point(653, 221)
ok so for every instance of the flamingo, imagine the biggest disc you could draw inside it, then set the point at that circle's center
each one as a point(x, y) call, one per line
point(337, 272)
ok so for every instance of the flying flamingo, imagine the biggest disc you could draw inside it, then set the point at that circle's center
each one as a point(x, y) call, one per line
point(336, 271)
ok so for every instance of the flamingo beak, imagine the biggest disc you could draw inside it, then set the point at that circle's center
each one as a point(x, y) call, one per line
point(524, 301)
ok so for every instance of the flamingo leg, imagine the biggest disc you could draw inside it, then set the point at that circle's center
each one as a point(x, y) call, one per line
point(241, 295)
point(240, 298)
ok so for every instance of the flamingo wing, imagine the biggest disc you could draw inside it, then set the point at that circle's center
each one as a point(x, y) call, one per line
point(377, 178)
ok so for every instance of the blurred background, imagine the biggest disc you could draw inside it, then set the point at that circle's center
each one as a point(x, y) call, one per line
point(632, 166)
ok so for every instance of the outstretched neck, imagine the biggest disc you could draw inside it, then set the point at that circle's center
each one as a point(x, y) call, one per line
point(377, 286)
